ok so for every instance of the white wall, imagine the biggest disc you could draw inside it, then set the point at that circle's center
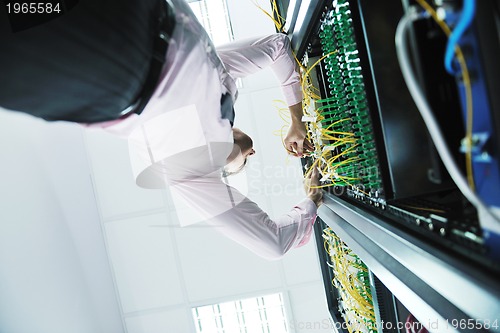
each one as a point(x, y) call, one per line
point(54, 270)
point(82, 249)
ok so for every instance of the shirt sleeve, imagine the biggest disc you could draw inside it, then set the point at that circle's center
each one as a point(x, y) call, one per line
point(240, 219)
point(248, 56)
point(251, 227)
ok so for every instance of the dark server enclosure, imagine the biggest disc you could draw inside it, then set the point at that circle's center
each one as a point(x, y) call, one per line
point(415, 190)
point(420, 236)
point(413, 163)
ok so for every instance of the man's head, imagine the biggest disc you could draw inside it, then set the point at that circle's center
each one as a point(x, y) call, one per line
point(243, 148)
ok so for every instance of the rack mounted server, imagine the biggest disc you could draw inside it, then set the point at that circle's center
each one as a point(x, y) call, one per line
point(390, 193)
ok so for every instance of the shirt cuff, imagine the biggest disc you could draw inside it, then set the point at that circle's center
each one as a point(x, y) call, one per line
point(305, 230)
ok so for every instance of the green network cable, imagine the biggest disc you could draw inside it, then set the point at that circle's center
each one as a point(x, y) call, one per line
point(347, 99)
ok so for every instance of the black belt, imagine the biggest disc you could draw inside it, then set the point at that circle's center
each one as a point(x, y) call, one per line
point(166, 24)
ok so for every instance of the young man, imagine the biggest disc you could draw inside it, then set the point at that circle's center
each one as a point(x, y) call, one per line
point(165, 88)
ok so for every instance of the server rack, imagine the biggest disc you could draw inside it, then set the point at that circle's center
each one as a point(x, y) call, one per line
point(444, 266)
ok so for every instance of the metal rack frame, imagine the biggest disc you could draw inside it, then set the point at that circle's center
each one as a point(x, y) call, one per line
point(439, 288)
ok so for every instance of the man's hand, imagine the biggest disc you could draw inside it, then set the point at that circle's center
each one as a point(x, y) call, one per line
point(295, 140)
point(310, 185)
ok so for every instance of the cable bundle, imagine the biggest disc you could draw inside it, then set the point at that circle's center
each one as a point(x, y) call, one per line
point(351, 279)
point(340, 126)
point(278, 20)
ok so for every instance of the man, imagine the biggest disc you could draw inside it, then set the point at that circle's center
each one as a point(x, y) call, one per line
point(171, 96)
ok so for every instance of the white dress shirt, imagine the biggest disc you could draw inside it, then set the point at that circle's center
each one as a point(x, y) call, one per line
point(180, 139)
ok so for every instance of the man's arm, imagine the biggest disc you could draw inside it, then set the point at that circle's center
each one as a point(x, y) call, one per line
point(248, 56)
point(242, 220)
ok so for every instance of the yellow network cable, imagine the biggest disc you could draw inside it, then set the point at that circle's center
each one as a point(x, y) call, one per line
point(284, 114)
point(275, 17)
point(307, 72)
point(311, 93)
point(425, 209)
point(338, 138)
point(468, 91)
point(344, 152)
point(354, 293)
point(316, 134)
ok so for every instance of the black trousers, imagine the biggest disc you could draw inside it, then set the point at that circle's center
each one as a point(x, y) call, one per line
point(85, 66)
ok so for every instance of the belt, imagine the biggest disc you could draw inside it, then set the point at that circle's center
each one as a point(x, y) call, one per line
point(165, 28)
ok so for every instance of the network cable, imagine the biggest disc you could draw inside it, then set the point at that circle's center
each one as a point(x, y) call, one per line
point(464, 22)
point(468, 91)
point(427, 115)
point(351, 279)
point(279, 21)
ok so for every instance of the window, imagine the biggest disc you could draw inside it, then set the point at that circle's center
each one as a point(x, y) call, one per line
point(263, 314)
point(214, 17)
